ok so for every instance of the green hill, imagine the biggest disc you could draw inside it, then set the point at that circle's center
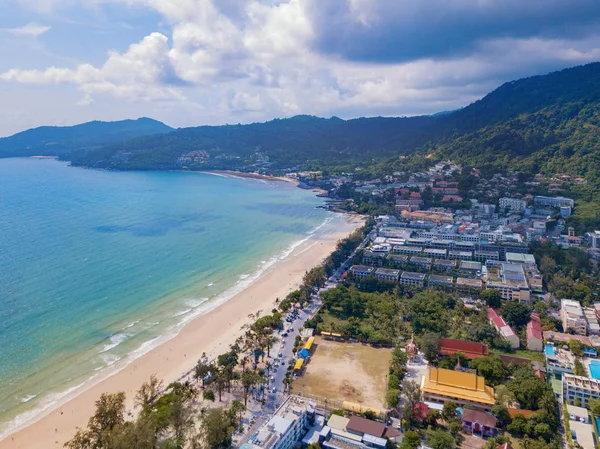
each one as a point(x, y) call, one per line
point(536, 123)
point(74, 141)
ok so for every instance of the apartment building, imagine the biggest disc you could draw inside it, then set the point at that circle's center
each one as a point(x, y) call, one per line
point(440, 281)
point(513, 204)
point(572, 317)
point(509, 279)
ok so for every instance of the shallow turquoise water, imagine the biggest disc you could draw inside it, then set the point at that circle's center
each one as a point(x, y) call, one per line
point(96, 265)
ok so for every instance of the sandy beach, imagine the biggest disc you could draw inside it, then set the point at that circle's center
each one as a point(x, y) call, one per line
point(211, 333)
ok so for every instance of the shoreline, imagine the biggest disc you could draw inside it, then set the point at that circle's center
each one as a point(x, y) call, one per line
point(216, 329)
point(241, 174)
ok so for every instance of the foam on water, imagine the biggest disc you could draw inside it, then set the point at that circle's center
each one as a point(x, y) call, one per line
point(115, 341)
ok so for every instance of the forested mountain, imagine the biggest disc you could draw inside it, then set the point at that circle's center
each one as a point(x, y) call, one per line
point(538, 123)
point(76, 140)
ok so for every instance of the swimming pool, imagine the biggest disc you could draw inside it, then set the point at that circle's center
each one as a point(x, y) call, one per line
point(550, 350)
point(595, 369)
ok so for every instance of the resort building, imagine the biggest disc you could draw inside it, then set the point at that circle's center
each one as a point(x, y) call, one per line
point(471, 349)
point(460, 255)
point(513, 204)
point(470, 267)
point(440, 281)
point(503, 328)
point(408, 250)
point(468, 286)
point(386, 274)
point(557, 202)
point(374, 257)
point(464, 388)
point(414, 279)
point(572, 317)
point(287, 427)
point(535, 340)
point(509, 279)
point(444, 265)
point(579, 387)
point(484, 256)
point(435, 253)
point(398, 260)
point(361, 271)
point(423, 262)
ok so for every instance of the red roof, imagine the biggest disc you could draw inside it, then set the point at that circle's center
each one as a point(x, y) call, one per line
point(470, 349)
point(505, 446)
point(498, 321)
point(534, 328)
point(480, 417)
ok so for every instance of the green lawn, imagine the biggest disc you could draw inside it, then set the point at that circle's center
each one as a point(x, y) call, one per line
point(523, 353)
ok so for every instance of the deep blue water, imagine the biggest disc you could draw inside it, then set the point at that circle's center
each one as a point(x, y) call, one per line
point(95, 264)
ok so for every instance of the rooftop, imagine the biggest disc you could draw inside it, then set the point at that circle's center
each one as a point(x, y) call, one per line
point(358, 424)
point(471, 349)
point(413, 275)
point(467, 386)
point(480, 417)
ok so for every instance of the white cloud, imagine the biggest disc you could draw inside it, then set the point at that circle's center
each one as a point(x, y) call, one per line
point(242, 60)
point(31, 29)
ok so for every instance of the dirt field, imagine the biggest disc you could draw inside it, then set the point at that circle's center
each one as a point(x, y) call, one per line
point(347, 372)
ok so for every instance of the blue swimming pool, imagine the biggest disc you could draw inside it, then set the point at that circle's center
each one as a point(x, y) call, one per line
point(595, 369)
point(550, 350)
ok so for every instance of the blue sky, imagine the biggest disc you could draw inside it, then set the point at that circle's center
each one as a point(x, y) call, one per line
point(193, 62)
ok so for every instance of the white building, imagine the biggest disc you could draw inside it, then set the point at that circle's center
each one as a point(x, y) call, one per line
point(387, 274)
point(580, 387)
point(572, 316)
point(513, 204)
point(558, 201)
point(361, 271)
point(288, 425)
point(594, 239)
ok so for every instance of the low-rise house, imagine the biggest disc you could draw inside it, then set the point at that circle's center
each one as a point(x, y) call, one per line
point(503, 328)
point(411, 278)
point(386, 274)
point(535, 339)
point(361, 271)
point(479, 423)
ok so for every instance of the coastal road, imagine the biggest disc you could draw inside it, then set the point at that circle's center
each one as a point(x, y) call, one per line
point(286, 345)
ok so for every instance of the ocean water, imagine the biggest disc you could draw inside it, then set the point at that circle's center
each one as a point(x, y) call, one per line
point(100, 266)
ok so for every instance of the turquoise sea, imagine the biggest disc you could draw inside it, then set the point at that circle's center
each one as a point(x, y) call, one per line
point(99, 266)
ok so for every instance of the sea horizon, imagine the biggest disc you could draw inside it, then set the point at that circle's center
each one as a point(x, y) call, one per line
point(280, 215)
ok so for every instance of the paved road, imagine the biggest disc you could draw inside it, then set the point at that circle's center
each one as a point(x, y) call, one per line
point(286, 345)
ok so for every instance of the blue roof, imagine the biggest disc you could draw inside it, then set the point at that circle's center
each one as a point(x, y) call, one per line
point(303, 354)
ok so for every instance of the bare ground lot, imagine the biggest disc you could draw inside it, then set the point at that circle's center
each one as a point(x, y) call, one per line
point(346, 372)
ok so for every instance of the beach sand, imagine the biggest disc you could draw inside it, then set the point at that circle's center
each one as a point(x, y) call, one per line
point(211, 333)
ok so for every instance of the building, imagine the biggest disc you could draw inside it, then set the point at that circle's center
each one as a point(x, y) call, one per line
point(471, 349)
point(411, 278)
point(361, 271)
point(435, 253)
point(469, 286)
point(579, 387)
point(479, 423)
point(444, 264)
point(557, 202)
point(460, 255)
point(398, 260)
point(503, 328)
point(462, 387)
point(572, 317)
point(440, 281)
point(510, 280)
point(423, 262)
point(470, 267)
point(535, 340)
point(288, 426)
point(513, 204)
point(484, 256)
point(593, 327)
point(594, 239)
point(387, 275)
point(355, 432)
point(409, 250)
point(583, 434)
point(374, 257)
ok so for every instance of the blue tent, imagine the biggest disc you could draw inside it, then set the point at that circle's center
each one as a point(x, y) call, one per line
point(303, 354)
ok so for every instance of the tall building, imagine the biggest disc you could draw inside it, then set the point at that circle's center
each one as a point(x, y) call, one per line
point(578, 387)
point(514, 204)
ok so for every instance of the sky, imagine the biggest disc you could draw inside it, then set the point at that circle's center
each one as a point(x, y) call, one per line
point(195, 62)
